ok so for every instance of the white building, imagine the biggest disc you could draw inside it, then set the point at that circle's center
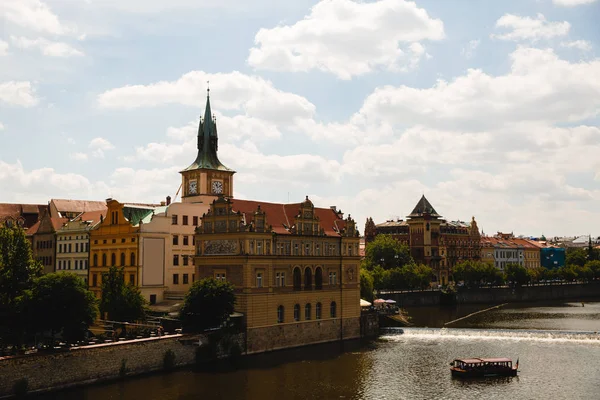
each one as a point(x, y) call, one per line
point(73, 243)
point(167, 248)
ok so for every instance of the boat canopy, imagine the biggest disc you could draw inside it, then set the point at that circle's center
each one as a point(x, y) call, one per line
point(482, 360)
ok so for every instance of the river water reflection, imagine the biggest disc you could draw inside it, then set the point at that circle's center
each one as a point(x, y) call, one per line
point(408, 365)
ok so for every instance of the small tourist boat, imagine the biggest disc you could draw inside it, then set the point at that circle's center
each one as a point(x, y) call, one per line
point(483, 367)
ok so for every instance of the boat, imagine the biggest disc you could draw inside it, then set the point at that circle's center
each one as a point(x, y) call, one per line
point(483, 367)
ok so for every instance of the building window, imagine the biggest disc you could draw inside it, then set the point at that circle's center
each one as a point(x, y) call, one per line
point(175, 259)
point(95, 260)
point(297, 312)
point(175, 240)
point(259, 280)
point(307, 278)
point(318, 278)
point(85, 264)
point(186, 279)
point(333, 309)
point(95, 280)
point(333, 278)
point(132, 260)
point(174, 220)
point(132, 279)
point(259, 249)
point(69, 247)
point(175, 279)
point(318, 311)
point(220, 276)
point(193, 277)
point(195, 221)
point(280, 314)
point(113, 259)
point(186, 240)
point(297, 279)
point(185, 220)
point(185, 259)
point(122, 259)
point(104, 263)
point(307, 312)
point(280, 279)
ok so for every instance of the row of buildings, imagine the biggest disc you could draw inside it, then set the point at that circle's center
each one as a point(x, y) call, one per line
point(295, 267)
point(442, 244)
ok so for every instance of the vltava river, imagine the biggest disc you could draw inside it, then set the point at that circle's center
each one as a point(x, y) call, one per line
point(558, 351)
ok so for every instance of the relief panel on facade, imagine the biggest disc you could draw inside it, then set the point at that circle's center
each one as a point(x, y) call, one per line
point(221, 247)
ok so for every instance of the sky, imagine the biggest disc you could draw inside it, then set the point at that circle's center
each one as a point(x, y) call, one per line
point(489, 108)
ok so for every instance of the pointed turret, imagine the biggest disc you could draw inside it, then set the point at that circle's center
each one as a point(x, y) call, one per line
point(423, 207)
point(207, 142)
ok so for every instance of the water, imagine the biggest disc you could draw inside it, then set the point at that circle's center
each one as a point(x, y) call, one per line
point(558, 351)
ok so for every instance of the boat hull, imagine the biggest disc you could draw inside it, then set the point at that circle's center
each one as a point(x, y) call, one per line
point(482, 373)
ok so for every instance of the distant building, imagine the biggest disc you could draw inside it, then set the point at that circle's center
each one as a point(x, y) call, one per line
point(504, 249)
point(553, 257)
point(42, 236)
point(23, 215)
point(433, 241)
point(73, 241)
point(61, 208)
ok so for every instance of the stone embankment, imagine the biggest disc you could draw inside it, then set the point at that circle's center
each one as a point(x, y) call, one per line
point(500, 295)
point(96, 363)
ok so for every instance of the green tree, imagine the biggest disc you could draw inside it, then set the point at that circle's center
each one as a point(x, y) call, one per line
point(381, 278)
point(568, 272)
point(18, 270)
point(366, 285)
point(595, 267)
point(207, 304)
point(535, 274)
point(576, 256)
point(121, 302)
point(516, 273)
point(386, 251)
point(61, 303)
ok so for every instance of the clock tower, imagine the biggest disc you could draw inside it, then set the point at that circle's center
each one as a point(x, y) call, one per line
point(207, 177)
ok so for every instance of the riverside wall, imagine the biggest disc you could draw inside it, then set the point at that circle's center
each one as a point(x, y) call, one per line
point(95, 363)
point(498, 295)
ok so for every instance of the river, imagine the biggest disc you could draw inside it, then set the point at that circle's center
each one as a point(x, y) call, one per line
point(558, 352)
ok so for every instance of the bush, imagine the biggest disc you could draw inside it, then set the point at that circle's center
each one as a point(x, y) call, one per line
point(169, 359)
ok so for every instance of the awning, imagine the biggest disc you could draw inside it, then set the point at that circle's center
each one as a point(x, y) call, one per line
point(364, 303)
point(379, 301)
point(390, 301)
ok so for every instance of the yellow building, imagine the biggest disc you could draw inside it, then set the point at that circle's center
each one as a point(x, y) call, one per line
point(295, 267)
point(114, 242)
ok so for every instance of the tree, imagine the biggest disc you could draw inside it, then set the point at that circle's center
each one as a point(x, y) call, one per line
point(535, 273)
point(516, 273)
point(61, 303)
point(119, 301)
point(386, 251)
point(18, 270)
point(366, 285)
point(595, 267)
point(207, 304)
point(576, 256)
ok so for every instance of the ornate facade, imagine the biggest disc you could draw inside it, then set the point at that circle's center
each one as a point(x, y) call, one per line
point(433, 241)
point(295, 267)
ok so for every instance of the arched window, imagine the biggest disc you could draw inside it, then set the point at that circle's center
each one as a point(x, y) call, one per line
point(333, 309)
point(280, 314)
point(104, 260)
point(307, 278)
point(132, 260)
point(297, 279)
point(113, 259)
point(318, 311)
point(297, 312)
point(307, 311)
point(318, 278)
point(122, 259)
point(95, 260)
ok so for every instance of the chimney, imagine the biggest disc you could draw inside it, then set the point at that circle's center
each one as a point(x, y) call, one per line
point(168, 200)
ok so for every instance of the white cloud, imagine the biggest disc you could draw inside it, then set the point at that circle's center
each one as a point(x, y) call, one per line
point(348, 38)
point(99, 146)
point(572, 3)
point(47, 47)
point(78, 156)
point(531, 29)
point(469, 50)
point(34, 15)
point(539, 87)
point(3, 48)
point(18, 93)
point(1, 126)
point(582, 45)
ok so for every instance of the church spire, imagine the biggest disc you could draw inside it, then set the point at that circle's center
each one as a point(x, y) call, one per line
point(207, 142)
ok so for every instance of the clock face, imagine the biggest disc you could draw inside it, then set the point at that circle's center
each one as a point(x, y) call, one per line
point(193, 189)
point(217, 187)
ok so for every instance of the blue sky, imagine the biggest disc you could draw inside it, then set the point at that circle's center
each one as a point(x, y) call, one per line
point(489, 108)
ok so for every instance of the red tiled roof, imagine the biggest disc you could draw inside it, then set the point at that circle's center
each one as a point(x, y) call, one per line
point(63, 205)
point(280, 215)
point(92, 216)
point(33, 230)
point(57, 223)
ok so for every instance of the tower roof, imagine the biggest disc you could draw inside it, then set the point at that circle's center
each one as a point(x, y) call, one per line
point(207, 143)
point(423, 207)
